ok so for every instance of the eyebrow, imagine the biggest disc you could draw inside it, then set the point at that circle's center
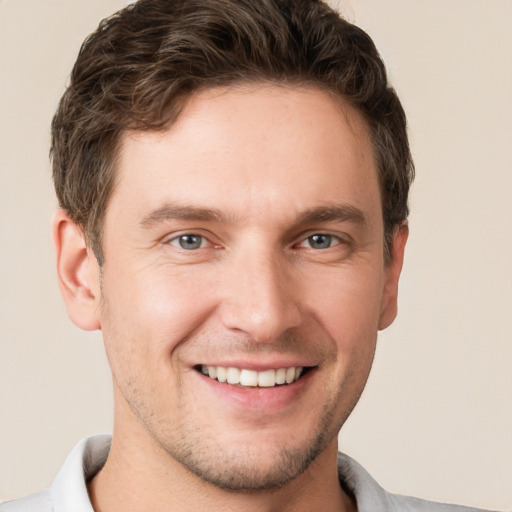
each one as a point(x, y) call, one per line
point(174, 211)
point(330, 213)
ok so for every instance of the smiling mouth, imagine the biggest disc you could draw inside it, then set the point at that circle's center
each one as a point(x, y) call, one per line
point(252, 378)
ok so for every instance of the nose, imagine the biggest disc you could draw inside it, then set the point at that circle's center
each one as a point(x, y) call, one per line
point(260, 298)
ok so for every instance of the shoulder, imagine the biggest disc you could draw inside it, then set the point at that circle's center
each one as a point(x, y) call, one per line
point(39, 502)
point(68, 492)
point(410, 504)
point(371, 497)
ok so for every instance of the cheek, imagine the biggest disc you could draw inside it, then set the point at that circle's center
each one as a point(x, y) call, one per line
point(347, 305)
point(148, 315)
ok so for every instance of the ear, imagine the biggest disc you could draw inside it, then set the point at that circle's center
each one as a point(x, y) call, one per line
point(392, 271)
point(78, 273)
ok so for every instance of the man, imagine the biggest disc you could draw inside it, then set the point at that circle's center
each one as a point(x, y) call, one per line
point(233, 179)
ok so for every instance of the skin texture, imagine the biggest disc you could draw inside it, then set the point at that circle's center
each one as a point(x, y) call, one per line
point(253, 173)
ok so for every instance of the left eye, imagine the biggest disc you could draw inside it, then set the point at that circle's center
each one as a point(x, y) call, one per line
point(189, 242)
point(320, 241)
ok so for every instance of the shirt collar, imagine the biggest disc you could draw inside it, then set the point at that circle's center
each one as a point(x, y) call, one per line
point(69, 489)
point(368, 494)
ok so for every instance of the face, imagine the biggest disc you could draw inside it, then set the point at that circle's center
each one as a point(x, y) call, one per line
point(244, 282)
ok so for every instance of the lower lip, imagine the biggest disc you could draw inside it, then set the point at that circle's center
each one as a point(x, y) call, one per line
point(272, 399)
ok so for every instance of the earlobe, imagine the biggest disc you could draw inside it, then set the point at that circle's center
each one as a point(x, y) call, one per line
point(392, 275)
point(77, 271)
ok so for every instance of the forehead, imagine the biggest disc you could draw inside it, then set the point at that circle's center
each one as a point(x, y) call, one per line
point(252, 150)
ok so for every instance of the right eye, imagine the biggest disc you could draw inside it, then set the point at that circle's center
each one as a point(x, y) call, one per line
point(320, 241)
point(189, 241)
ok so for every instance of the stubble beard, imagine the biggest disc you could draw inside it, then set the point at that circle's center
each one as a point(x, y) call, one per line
point(242, 467)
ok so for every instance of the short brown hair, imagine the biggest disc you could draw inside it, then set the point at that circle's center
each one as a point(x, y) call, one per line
point(134, 71)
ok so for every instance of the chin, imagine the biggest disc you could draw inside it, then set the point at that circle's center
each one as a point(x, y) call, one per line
point(251, 470)
point(239, 465)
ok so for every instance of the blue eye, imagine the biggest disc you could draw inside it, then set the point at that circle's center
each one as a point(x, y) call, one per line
point(188, 242)
point(320, 241)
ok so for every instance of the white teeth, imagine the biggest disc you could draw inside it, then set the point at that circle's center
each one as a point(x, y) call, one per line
point(281, 376)
point(252, 378)
point(290, 375)
point(267, 379)
point(221, 374)
point(233, 376)
point(248, 378)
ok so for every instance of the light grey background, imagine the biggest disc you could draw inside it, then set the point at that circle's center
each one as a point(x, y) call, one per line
point(436, 417)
